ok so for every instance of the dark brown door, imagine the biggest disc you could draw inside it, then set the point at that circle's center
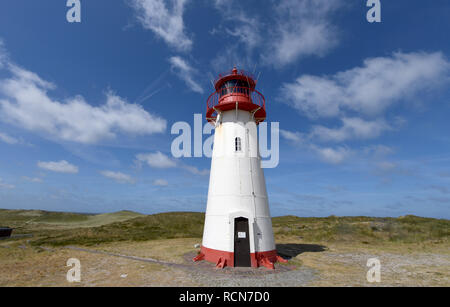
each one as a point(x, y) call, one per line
point(241, 243)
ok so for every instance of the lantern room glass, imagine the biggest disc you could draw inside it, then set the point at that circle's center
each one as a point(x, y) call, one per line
point(234, 86)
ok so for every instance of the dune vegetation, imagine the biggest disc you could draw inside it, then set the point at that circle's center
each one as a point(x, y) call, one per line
point(61, 229)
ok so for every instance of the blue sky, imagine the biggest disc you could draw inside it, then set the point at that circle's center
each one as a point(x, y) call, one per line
point(86, 109)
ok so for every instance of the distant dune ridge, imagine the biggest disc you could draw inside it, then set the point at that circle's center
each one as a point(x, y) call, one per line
point(61, 229)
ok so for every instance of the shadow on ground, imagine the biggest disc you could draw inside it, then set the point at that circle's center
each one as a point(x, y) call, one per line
point(289, 251)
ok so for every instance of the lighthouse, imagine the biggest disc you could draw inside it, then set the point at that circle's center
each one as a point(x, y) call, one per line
point(238, 227)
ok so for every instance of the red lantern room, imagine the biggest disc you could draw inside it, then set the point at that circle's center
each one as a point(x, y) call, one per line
point(236, 90)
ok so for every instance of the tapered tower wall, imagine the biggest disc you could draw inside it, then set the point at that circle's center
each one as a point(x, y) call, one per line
point(237, 188)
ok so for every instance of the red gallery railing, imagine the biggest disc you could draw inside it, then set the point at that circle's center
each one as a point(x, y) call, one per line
point(227, 95)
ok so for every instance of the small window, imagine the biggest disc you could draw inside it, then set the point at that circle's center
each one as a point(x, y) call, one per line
point(237, 144)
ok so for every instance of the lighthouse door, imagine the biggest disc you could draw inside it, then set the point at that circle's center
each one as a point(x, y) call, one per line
point(241, 243)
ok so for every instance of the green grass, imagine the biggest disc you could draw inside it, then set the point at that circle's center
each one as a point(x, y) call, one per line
point(408, 229)
point(77, 220)
point(41, 219)
point(151, 227)
point(60, 229)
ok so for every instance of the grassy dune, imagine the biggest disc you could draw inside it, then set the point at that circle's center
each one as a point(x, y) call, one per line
point(152, 227)
point(366, 230)
point(35, 219)
point(76, 220)
point(414, 251)
point(60, 229)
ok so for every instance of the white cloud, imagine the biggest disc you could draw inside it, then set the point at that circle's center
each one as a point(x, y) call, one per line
point(244, 28)
point(33, 179)
point(118, 176)
point(156, 160)
point(58, 167)
point(6, 185)
point(386, 166)
point(247, 30)
point(369, 89)
point(186, 73)
point(294, 29)
point(231, 56)
point(160, 183)
point(378, 151)
point(295, 137)
point(24, 102)
point(8, 139)
point(160, 160)
point(358, 97)
point(326, 154)
point(352, 128)
point(165, 19)
point(3, 53)
point(195, 170)
point(332, 155)
point(302, 28)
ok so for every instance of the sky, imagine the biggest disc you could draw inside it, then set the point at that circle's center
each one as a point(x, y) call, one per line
point(87, 109)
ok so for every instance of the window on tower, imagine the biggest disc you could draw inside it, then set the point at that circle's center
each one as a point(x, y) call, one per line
point(237, 144)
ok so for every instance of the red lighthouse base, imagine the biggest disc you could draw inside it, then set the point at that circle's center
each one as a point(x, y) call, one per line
point(223, 258)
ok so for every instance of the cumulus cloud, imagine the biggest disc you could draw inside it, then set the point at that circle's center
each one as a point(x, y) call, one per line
point(160, 183)
point(25, 102)
point(185, 72)
point(378, 151)
point(165, 20)
point(3, 53)
point(369, 89)
point(389, 168)
point(8, 139)
point(295, 29)
point(302, 28)
point(295, 137)
point(327, 154)
point(156, 160)
point(358, 97)
point(118, 176)
point(244, 28)
point(352, 128)
point(33, 179)
point(58, 167)
point(194, 170)
point(6, 186)
point(332, 155)
point(231, 56)
point(160, 160)
point(247, 30)
point(386, 166)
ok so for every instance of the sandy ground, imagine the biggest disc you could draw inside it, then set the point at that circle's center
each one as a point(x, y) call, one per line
point(167, 263)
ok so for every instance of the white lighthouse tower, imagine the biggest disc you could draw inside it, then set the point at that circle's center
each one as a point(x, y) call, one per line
point(238, 227)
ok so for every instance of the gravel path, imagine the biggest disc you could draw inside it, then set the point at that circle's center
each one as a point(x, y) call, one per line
point(206, 274)
point(328, 268)
point(420, 269)
point(294, 278)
